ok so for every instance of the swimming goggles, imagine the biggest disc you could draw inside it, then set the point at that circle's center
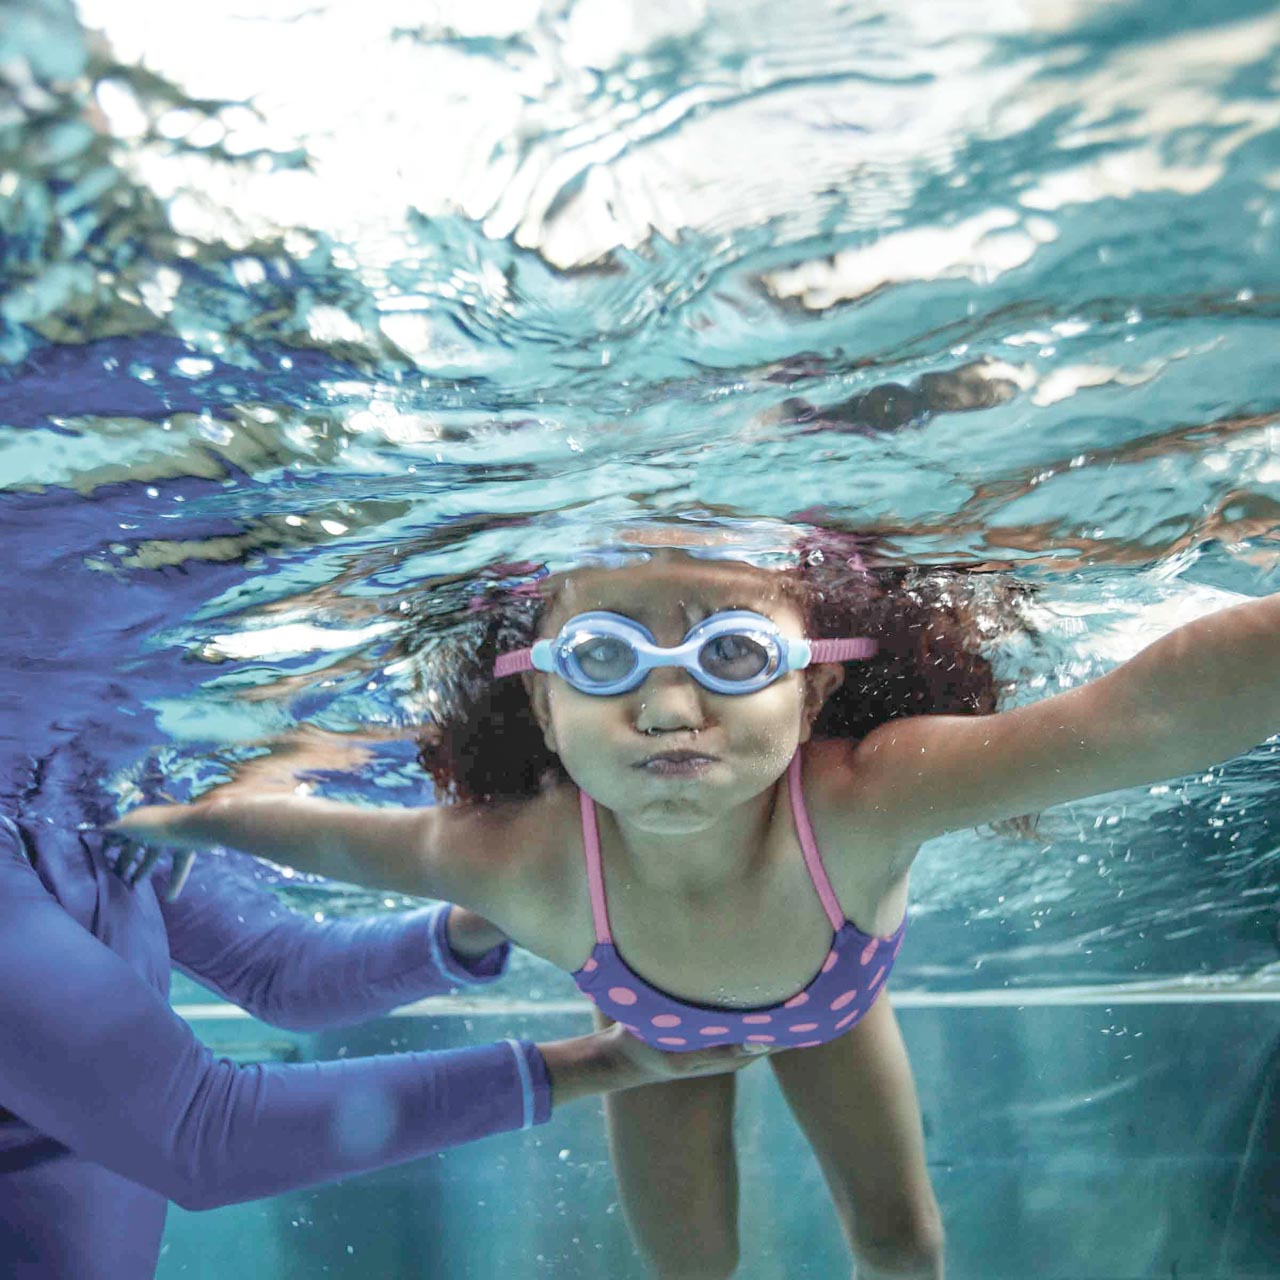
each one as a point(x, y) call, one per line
point(731, 652)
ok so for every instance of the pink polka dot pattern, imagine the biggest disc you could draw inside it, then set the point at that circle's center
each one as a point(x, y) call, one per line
point(837, 996)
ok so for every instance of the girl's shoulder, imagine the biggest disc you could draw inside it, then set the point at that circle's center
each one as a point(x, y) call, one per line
point(852, 812)
point(836, 777)
point(513, 831)
point(524, 845)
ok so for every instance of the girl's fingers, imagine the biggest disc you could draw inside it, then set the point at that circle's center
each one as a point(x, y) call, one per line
point(148, 860)
point(124, 861)
point(133, 862)
point(182, 863)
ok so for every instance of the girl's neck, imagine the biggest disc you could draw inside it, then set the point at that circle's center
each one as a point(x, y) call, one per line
point(717, 861)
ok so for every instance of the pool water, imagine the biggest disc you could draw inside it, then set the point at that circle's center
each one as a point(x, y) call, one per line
point(1068, 1138)
point(313, 314)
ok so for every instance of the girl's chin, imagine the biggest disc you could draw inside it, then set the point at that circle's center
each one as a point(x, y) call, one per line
point(672, 819)
point(675, 810)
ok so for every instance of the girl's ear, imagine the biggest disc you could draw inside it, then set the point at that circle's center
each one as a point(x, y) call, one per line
point(537, 687)
point(820, 683)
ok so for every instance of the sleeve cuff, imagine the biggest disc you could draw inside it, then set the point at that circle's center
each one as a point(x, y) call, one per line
point(461, 969)
point(535, 1082)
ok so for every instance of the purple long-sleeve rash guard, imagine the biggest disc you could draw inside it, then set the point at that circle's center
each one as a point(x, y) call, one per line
point(110, 1106)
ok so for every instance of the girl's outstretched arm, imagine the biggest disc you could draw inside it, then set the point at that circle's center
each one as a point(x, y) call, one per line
point(481, 857)
point(1200, 695)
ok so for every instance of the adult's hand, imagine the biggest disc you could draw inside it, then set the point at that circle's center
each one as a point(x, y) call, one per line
point(613, 1058)
point(651, 1066)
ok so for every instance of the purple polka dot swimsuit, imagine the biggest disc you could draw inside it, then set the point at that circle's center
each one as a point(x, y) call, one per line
point(846, 986)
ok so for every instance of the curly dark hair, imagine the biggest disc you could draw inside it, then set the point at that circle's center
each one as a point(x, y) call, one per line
point(484, 743)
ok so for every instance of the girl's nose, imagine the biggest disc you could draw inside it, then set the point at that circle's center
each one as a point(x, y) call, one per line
point(668, 700)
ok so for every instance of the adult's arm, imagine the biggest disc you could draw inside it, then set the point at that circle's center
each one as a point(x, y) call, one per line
point(231, 933)
point(91, 1056)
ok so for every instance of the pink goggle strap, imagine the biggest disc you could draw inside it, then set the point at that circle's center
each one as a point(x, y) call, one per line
point(510, 664)
point(843, 650)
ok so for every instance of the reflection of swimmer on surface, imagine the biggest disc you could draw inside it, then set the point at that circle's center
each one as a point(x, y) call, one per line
point(700, 794)
point(109, 1104)
point(890, 406)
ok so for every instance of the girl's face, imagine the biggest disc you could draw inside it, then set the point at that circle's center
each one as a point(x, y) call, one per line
point(625, 751)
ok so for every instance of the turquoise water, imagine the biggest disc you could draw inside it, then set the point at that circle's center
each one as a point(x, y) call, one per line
point(313, 313)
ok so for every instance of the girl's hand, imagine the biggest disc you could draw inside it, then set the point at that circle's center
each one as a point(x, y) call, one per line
point(150, 823)
point(135, 861)
point(146, 831)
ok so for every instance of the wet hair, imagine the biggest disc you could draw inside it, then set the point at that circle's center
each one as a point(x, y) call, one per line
point(484, 743)
point(931, 624)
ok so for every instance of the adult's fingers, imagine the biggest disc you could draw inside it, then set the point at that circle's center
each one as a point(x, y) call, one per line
point(730, 1057)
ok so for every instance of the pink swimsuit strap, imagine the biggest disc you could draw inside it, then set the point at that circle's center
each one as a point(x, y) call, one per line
point(804, 830)
point(812, 858)
point(595, 877)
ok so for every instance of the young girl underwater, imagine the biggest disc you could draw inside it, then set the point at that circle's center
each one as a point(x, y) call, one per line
point(700, 793)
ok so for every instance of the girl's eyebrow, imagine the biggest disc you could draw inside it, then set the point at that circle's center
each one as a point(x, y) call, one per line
point(706, 612)
point(694, 611)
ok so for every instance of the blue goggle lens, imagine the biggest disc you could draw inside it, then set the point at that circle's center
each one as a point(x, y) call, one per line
point(734, 657)
point(602, 659)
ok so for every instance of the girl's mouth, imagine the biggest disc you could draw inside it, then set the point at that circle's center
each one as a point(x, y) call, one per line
point(677, 764)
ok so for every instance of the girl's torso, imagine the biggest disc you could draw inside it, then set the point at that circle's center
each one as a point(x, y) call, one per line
point(760, 944)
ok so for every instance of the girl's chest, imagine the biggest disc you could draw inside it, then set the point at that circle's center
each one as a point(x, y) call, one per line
point(757, 945)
